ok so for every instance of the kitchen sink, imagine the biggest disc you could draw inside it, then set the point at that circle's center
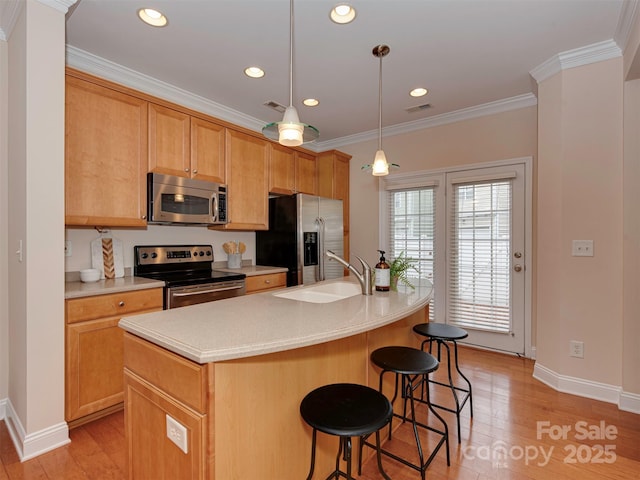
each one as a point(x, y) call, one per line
point(323, 293)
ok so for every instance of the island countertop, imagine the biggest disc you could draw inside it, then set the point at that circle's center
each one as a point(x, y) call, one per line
point(264, 323)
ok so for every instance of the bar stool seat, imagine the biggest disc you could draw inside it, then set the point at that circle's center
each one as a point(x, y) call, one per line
point(412, 367)
point(345, 410)
point(442, 334)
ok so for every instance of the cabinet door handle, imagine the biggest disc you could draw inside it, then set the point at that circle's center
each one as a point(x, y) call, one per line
point(267, 281)
point(121, 304)
point(195, 170)
point(186, 169)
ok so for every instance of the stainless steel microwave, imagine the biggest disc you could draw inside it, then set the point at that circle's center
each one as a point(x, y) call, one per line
point(175, 200)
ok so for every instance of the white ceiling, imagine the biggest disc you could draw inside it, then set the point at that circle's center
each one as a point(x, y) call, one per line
point(466, 52)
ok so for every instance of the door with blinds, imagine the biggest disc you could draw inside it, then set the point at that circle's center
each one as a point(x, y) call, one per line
point(485, 260)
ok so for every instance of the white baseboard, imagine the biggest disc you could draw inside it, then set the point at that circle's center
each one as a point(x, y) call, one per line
point(577, 386)
point(37, 443)
point(629, 402)
point(3, 408)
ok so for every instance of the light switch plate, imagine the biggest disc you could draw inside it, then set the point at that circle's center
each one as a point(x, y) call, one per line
point(582, 248)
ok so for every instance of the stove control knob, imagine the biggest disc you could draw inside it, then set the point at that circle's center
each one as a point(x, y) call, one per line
point(154, 255)
point(201, 254)
point(208, 253)
point(144, 255)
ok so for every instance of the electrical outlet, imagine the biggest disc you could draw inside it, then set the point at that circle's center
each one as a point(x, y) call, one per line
point(67, 248)
point(177, 433)
point(576, 349)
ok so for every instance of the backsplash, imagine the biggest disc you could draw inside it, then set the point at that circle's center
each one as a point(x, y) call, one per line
point(154, 235)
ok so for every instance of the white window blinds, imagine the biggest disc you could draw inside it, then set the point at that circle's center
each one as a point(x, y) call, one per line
point(411, 213)
point(478, 294)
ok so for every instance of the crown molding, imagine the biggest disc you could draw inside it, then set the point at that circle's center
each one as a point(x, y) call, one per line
point(625, 23)
point(60, 5)
point(103, 68)
point(9, 11)
point(596, 52)
point(491, 108)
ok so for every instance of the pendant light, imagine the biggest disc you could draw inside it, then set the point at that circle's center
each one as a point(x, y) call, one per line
point(380, 165)
point(290, 132)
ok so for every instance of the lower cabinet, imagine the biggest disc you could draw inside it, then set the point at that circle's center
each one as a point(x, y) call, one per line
point(262, 283)
point(168, 408)
point(94, 351)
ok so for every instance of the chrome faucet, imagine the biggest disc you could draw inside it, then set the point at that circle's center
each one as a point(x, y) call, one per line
point(364, 278)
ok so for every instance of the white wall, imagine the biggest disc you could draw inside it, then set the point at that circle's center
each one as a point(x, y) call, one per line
point(490, 138)
point(154, 235)
point(36, 54)
point(580, 192)
point(4, 249)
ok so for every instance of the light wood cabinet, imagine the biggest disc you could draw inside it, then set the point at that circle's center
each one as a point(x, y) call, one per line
point(185, 146)
point(207, 151)
point(263, 283)
point(94, 350)
point(247, 167)
point(333, 182)
point(169, 132)
point(291, 171)
point(306, 173)
point(160, 383)
point(105, 156)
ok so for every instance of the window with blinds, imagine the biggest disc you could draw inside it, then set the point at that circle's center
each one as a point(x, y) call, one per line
point(478, 294)
point(412, 230)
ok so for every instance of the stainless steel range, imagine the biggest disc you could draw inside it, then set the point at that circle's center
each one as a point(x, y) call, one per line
point(188, 274)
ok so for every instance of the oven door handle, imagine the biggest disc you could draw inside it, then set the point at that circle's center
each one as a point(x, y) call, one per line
point(213, 290)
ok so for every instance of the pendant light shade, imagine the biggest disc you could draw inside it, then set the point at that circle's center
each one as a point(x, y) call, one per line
point(380, 165)
point(290, 131)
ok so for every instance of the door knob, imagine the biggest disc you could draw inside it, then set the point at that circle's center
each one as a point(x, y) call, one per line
point(517, 268)
point(517, 255)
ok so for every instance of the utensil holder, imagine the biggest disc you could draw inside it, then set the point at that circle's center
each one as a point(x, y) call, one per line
point(234, 260)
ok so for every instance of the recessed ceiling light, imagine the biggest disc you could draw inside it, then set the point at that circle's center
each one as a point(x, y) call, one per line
point(311, 102)
point(254, 72)
point(343, 13)
point(152, 17)
point(418, 92)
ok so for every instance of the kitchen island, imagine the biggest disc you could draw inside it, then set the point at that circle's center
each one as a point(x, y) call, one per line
point(232, 374)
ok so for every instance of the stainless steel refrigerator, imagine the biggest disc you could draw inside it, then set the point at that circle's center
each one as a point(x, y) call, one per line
point(301, 228)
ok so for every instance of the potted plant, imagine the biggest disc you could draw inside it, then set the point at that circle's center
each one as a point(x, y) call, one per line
point(398, 271)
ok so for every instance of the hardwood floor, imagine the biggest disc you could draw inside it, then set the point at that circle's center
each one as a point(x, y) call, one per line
point(514, 414)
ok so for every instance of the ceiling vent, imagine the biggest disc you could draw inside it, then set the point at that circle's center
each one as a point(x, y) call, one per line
point(276, 106)
point(419, 108)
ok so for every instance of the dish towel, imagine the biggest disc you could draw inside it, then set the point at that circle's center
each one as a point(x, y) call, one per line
point(107, 258)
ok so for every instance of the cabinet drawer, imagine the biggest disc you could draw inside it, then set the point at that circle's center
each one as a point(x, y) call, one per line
point(258, 283)
point(113, 304)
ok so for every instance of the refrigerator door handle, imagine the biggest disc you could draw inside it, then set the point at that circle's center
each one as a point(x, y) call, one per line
point(321, 228)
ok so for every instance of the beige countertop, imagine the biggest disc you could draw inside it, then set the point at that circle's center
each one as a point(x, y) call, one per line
point(102, 287)
point(251, 270)
point(264, 323)
point(77, 289)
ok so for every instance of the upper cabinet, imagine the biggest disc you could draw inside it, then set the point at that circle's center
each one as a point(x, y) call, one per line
point(185, 146)
point(306, 173)
point(247, 167)
point(333, 182)
point(105, 156)
point(291, 171)
point(207, 150)
point(115, 135)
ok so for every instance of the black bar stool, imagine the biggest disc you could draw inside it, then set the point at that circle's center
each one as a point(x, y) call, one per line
point(412, 367)
point(346, 410)
point(442, 333)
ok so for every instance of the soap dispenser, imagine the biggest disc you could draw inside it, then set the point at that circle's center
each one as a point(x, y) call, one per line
point(383, 274)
